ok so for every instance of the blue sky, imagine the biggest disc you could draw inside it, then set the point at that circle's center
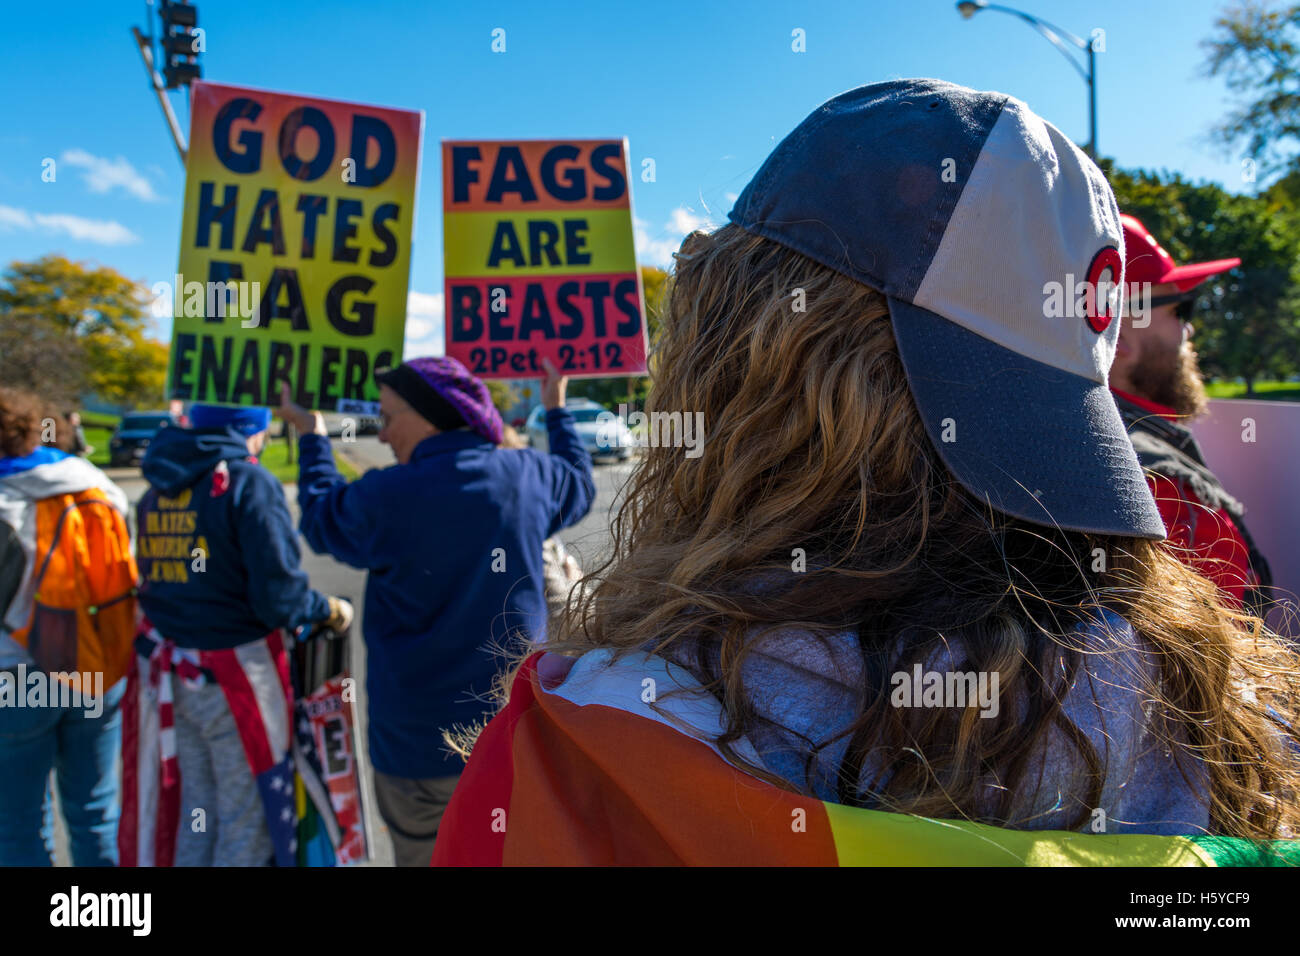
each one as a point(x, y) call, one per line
point(704, 88)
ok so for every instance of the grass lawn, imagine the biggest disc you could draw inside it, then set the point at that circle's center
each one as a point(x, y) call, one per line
point(99, 421)
point(97, 438)
point(1264, 391)
point(275, 456)
point(98, 429)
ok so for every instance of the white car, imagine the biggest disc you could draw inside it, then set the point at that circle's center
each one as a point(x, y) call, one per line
point(603, 434)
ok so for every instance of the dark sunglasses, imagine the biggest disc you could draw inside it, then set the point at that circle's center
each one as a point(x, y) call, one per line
point(1183, 302)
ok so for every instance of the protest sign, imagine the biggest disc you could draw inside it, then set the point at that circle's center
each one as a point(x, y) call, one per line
point(539, 258)
point(1251, 446)
point(333, 825)
point(295, 247)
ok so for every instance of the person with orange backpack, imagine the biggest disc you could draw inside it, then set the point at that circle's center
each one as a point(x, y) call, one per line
point(67, 618)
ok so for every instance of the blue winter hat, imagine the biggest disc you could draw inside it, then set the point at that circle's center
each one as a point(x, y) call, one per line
point(245, 420)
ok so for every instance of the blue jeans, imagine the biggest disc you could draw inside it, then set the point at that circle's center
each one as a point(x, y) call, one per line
point(83, 752)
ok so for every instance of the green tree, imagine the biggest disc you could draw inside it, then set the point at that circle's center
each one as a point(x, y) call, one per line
point(630, 390)
point(37, 356)
point(68, 328)
point(1247, 320)
point(1256, 50)
point(502, 397)
point(131, 369)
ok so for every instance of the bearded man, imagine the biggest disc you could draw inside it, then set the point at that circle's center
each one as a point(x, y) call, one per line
point(1157, 385)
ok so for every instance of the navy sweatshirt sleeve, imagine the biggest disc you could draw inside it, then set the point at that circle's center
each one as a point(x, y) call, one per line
point(278, 590)
point(342, 519)
point(568, 472)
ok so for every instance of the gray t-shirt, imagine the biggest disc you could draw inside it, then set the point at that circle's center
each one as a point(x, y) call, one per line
point(808, 688)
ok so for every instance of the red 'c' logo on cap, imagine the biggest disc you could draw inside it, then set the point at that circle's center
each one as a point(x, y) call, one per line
point(1097, 309)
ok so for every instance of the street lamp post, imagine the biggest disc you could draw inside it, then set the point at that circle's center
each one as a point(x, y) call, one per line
point(968, 9)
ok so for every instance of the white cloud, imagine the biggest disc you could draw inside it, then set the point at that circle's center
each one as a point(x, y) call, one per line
point(15, 218)
point(685, 221)
point(103, 231)
point(658, 249)
point(103, 175)
point(424, 327)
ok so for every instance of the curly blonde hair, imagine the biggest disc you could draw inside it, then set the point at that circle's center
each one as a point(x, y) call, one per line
point(813, 442)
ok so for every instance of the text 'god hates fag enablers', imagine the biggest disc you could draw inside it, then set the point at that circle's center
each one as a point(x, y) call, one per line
point(312, 202)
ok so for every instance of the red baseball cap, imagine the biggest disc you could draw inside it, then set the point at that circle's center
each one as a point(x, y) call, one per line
point(1148, 261)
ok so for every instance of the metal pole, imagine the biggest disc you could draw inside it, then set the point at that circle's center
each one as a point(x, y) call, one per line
point(1053, 35)
point(1092, 102)
point(146, 54)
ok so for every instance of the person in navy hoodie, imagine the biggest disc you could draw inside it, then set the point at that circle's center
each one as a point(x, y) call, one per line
point(452, 537)
point(220, 583)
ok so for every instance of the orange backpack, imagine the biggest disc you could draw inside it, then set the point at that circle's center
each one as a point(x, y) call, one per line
point(84, 615)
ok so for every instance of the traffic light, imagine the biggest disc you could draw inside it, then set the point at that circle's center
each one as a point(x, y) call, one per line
point(181, 44)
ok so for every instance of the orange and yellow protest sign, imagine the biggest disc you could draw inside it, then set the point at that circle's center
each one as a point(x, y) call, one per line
point(295, 247)
point(539, 258)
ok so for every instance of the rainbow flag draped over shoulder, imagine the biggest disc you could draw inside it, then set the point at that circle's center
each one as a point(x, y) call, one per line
point(608, 769)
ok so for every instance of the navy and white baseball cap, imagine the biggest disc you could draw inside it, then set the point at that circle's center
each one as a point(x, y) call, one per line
point(962, 207)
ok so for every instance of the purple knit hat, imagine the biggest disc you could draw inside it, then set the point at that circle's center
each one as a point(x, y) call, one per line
point(454, 384)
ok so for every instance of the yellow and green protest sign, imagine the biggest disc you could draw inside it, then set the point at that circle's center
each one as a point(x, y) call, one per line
point(539, 260)
point(295, 247)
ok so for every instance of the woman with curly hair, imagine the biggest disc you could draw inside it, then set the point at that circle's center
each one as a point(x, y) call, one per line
point(916, 572)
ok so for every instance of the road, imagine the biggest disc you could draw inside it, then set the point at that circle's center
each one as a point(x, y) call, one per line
point(589, 541)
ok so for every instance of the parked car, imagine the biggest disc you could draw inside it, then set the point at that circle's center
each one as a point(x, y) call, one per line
point(603, 433)
point(132, 436)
